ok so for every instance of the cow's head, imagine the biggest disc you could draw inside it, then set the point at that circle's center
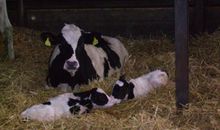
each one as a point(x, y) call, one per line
point(65, 46)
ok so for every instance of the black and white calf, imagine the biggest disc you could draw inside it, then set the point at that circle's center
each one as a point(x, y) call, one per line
point(141, 86)
point(68, 104)
point(79, 57)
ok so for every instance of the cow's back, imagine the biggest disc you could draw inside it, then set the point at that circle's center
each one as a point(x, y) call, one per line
point(117, 46)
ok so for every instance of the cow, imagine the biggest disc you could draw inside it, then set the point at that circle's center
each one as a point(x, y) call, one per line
point(68, 104)
point(79, 57)
point(138, 87)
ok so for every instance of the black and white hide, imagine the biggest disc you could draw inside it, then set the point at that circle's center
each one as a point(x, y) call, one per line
point(68, 104)
point(79, 57)
point(138, 87)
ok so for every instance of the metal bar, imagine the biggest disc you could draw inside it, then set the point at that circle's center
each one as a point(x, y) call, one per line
point(21, 12)
point(181, 43)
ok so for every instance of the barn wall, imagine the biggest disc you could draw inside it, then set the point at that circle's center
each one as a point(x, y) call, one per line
point(125, 17)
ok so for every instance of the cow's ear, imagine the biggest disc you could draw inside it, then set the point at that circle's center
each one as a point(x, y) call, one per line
point(49, 39)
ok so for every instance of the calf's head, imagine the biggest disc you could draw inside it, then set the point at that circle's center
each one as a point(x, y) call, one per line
point(121, 89)
point(158, 78)
point(65, 45)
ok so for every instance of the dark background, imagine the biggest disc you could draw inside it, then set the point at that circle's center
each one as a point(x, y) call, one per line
point(114, 17)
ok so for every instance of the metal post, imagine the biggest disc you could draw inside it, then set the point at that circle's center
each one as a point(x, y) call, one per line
point(181, 43)
point(7, 30)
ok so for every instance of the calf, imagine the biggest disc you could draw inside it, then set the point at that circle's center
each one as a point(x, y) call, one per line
point(68, 104)
point(141, 86)
point(79, 57)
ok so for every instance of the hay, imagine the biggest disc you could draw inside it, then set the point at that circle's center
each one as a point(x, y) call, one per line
point(22, 85)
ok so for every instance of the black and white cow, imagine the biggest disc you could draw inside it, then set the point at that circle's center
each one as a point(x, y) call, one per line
point(68, 104)
point(138, 87)
point(79, 57)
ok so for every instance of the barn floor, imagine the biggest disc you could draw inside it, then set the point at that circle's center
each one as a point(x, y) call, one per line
point(22, 85)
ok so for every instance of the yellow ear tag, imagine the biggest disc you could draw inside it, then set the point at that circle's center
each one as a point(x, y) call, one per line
point(95, 41)
point(47, 42)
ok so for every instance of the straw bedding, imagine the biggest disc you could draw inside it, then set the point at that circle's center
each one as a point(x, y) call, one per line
point(22, 85)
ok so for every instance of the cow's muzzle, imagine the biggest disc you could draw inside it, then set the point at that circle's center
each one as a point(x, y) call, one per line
point(72, 65)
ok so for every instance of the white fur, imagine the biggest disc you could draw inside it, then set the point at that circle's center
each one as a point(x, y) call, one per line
point(58, 108)
point(115, 100)
point(145, 83)
point(119, 83)
point(56, 52)
point(97, 56)
point(71, 33)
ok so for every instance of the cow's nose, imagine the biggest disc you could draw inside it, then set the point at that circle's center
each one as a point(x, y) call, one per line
point(72, 64)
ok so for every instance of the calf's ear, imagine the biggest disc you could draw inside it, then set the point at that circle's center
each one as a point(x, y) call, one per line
point(49, 39)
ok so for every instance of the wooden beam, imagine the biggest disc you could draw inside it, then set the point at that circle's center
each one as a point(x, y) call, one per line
point(181, 43)
point(78, 4)
point(125, 22)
